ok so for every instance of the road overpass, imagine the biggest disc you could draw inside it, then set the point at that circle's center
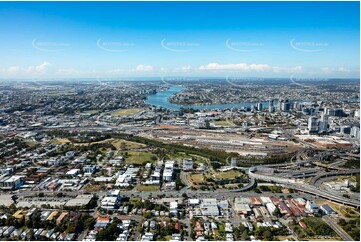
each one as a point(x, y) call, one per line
point(303, 187)
point(334, 173)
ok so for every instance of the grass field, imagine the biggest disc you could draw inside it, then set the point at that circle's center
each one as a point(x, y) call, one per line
point(138, 158)
point(117, 143)
point(126, 112)
point(147, 188)
point(60, 141)
point(168, 237)
point(224, 123)
point(199, 178)
point(133, 200)
point(182, 155)
point(96, 142)
point(196, 178)
point(124, 144)
point(228, 174)
point(31, 143)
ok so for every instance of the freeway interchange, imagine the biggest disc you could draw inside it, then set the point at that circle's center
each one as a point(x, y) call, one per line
point(307, 188)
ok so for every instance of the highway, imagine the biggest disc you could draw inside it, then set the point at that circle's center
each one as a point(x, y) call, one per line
point(335, 173)
point(304, 188)
point(333, 224)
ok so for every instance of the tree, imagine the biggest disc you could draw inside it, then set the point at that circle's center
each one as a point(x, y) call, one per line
point(29, 223)
point(277, 212)
point(110, 233)
point(342, 222)
point(236, 233)
point(267, 235)
point(257, 190)
point(89, 222)
point(178, 183)
point(60, 194)
point(245, 235)
point(193, 234)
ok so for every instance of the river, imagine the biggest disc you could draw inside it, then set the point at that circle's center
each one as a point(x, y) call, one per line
point(162, 99)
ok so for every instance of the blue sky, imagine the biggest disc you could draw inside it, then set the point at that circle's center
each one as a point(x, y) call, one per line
point(209, 39)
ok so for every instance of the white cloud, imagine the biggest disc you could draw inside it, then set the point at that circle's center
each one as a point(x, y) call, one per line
point(144, 68)
point(295, 69)
point(68, 71)
point(250, 67)
point(163, 69)
point(39, 69)
point(343, 69)
point(330, 70)
point(74, 72)
point(186, 68)
point(116, 71)
point(10, 70)
point(235, 67)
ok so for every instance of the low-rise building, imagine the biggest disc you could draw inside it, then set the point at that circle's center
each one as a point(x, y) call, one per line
point(312, 207)
point(73, 172)
point(10, 183)
point(111, 200)
point(187, 164)
point(327, 209)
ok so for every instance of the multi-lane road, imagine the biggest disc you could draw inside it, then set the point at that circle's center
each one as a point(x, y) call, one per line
point(304, 187)
point(333, 224)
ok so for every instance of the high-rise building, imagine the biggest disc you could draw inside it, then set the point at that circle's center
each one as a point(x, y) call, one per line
point(355, 132)
point(271, 108)
point(306, 111)
point(297, 106)
point(323, 123)
point(356, 114)
point(252, 108)
point(335, 112)
point(259, 106)
point(312, 124)
point(285, 105)
point(339, 113)
point(345, 129)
